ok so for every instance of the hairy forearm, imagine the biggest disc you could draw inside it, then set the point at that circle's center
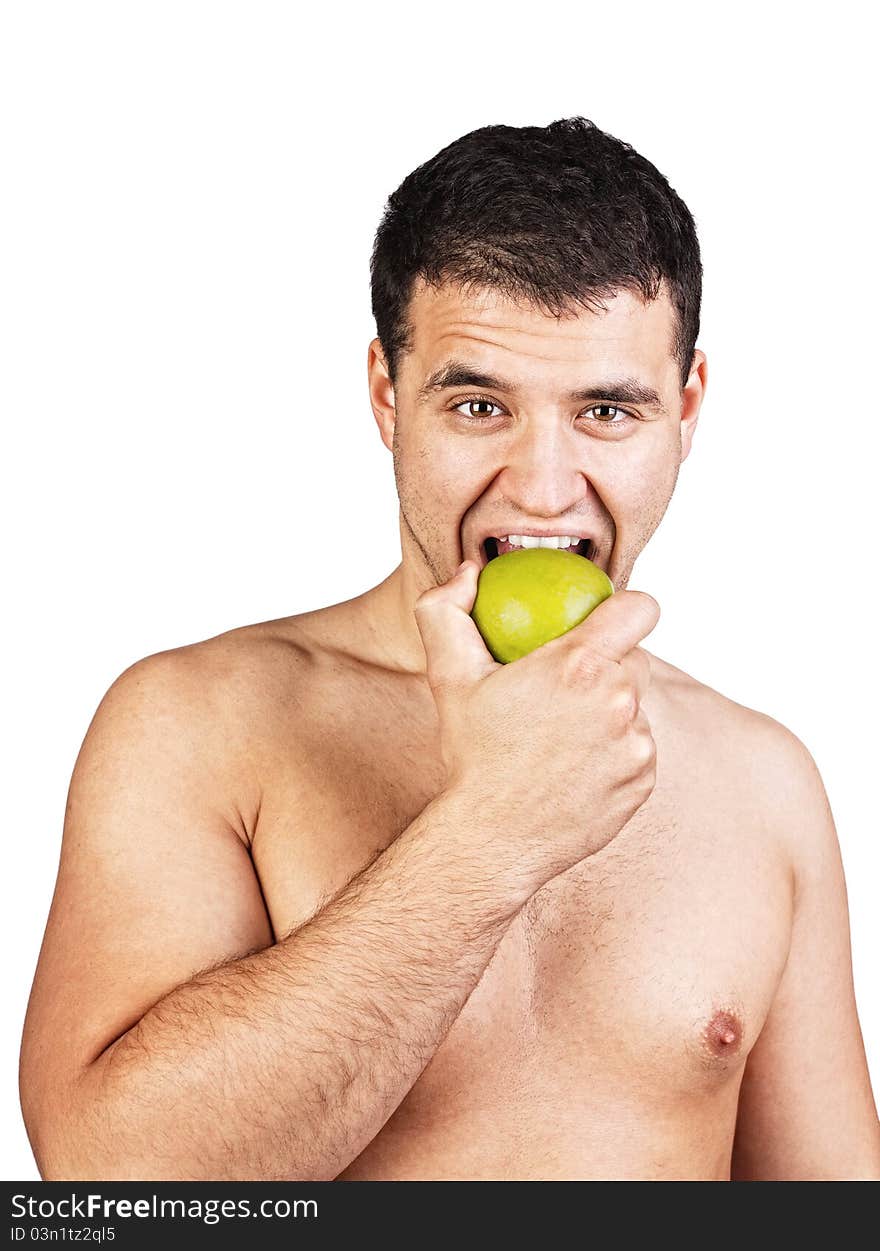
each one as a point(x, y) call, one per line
point(286, 1063)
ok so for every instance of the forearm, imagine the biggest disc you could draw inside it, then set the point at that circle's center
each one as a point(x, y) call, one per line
point(287, 1063)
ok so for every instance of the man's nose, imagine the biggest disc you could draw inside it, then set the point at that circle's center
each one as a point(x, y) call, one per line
point(545, 473)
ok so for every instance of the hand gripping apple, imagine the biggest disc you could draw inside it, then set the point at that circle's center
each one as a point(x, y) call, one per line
point(553, 751)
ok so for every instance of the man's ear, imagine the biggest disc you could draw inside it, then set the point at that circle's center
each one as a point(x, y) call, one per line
point(381, 392)
point(691, 399)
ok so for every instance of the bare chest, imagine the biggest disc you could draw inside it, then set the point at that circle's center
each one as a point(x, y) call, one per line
point(631, 986)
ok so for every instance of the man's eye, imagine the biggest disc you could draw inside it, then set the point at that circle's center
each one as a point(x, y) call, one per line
point(479, 408)
point(607, 414)
point(479, 404)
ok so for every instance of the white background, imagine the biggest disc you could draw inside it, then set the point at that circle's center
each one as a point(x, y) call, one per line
point(190, 196)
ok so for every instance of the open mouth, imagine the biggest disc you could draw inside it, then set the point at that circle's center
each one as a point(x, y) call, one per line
point(493, 547)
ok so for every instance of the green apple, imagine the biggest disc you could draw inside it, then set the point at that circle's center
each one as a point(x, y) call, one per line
point(528, 597)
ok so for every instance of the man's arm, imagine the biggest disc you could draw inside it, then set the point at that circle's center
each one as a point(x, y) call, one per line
point(166, 1037)
point(806, 1111)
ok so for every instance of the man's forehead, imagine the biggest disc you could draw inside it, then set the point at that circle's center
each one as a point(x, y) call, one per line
point(449, 320)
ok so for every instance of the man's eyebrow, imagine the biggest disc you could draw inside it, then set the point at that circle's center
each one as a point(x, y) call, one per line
point(614, 391)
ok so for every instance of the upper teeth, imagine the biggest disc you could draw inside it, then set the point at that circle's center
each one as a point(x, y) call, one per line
point(533, 540)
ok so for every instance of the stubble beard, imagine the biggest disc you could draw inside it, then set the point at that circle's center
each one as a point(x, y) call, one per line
point(621, 580)
point(438, 575)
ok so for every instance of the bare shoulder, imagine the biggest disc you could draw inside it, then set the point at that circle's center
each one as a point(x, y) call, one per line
point(754, 755)
point(222, 704)
point(697, 706)
point(240, 675)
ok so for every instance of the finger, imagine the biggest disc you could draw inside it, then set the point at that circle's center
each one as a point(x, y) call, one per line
point(637, 666)
point(454, 648)
point(614, 628)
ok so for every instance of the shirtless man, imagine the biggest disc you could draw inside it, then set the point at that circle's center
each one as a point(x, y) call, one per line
point(341, 897)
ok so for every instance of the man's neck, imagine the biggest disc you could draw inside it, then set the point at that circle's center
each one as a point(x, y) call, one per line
point(388, 624)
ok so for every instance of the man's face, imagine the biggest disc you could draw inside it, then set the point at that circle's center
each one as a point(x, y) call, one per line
point(570, 427)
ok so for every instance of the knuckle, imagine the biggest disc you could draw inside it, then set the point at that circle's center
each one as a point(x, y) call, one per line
point(646, 786)
point(642, 664)
point(582, 665)
point(625, 707)
point(646, 751)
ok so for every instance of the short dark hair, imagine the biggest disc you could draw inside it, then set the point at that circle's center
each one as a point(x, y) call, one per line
point(558, 215)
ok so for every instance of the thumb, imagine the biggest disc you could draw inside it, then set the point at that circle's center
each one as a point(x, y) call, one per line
point(453, 645)
point(617, 625)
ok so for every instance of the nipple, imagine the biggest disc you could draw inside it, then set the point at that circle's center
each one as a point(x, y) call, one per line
point(723, 1034)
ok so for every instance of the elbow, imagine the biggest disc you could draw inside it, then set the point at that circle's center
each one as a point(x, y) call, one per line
point(79, 1139)
point(67, 1151)
point(57, 1151)
point(43, 1128)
